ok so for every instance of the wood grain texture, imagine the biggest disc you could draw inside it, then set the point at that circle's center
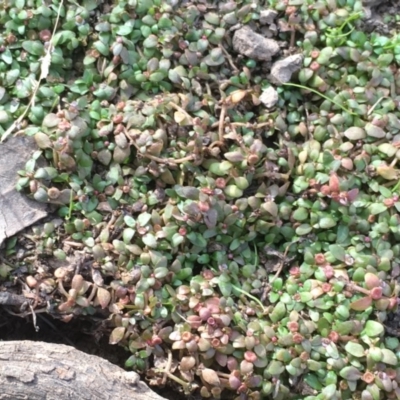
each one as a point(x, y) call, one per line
point(47, 371)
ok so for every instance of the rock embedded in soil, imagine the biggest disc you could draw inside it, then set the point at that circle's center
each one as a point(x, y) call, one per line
point(267, 17)
point(269, 97)
point(253, 45)
point(282, 70)
point(17, 211)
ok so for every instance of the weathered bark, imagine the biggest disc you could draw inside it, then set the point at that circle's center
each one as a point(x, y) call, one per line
point(37, 370)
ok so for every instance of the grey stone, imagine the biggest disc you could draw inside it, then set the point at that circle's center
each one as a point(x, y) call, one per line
point(269, 97)
point(282, 70)
point(17, 211)
point(253, 45)
point(267, 16)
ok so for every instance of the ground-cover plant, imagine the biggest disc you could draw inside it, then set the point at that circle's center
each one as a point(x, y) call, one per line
point(238, 250)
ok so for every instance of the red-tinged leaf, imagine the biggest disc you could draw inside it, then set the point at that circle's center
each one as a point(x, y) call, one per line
point(352, 195)
point(371, 280)
point(117, 335)
point(103, 297)
point(361, 304)
point(334, 183)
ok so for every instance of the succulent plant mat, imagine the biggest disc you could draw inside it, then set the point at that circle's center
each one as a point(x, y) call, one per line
point(217, 185)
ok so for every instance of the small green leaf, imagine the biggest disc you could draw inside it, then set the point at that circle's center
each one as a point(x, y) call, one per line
point(177, 239)
point(337, 251)
point(157, 76)
point(301, 214)
point(303, 229)
point(373, 328)
point(6, 56)
point(161, 272)
point(144, 218)
point(11, 76)
point(150, 42)
point(327, 222)
point(124, 30)
point(34, 47)
point(197, 239)
point(278, 312)
point(150, 240)
point(354, 133)
point(344, 328)
point(127, 235)
point(355, 349)
point(305, 297)
point(350, 373)
point(225, 288)
point(313, 381)
point(377, 208)
point(275, 368)
point(332, 350)
point(374, 131)
point(329, 391)
point(129, 221)
point(187, 192)
point(313, 365)
point(63, 37)
point(389, 357)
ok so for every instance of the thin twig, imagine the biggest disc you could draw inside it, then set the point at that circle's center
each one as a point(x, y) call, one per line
point(34, 318)
point(244, 125)
point(282, 263)
point(292, 38)
point(74, 244)
point(249, 296)
point(375, 105)
point(180, 109)
point(169, 161)
point(26, 313)
point(167, 367)
point(355, 288)
point(228, 56)
point(221, 123)
point(319, 94)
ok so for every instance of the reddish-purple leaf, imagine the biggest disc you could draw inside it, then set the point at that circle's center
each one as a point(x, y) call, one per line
point(371, 280)
point(361, 304)
point(352, 195)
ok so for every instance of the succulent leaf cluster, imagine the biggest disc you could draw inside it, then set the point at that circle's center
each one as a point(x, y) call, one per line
point(236, 213)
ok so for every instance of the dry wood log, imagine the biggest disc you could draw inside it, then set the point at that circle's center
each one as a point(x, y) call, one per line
point(47, 371)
